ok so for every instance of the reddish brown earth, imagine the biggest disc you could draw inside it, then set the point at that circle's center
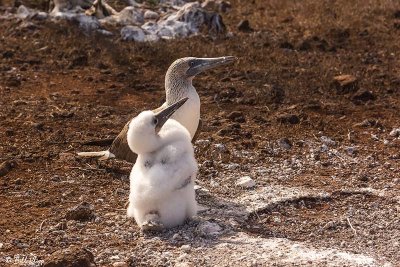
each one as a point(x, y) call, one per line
point(59, 88)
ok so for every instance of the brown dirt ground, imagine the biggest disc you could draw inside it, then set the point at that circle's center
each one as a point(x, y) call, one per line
point(59, 87)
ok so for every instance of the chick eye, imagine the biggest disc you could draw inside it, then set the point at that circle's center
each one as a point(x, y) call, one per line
point(155, 121)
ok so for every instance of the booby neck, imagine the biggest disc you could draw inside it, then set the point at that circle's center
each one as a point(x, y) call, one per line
point(177, 87)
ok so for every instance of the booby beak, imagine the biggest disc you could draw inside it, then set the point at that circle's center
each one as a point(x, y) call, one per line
point(163, 115)
point(201, 64)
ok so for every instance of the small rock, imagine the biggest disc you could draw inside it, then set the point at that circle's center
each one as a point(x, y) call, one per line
point(82, 212)
point(363, 178)
point(374, 137)
point(9, 132)
point(345, 83)
point(272, 93)
point(363, 97)
point(38, 125)
point(120, 264)
point(79, 60)
point(13, 81)
point(59, 226)
point(176, 237)
point(132, 33)
point(386, 142)
point(288, 118)
point(6, 167)
point(327, 141)
point(285, 143)
point(186, 248)
point(151, 15)
point(286, 45)
point(237, 116)
point(366, 123)
point(244, 26)
point(8, 54)
point(72, 256)
point(351, 150)
point(62, 114)
point(209, 229)
point(395, 132)
point(220, 148)
point(23, 12)
point(246, 182)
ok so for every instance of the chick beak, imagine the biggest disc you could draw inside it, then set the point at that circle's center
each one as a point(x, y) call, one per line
point(163, 115)
point(202, 64)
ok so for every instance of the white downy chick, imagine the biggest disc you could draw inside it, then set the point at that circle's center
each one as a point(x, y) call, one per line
point(162, 179)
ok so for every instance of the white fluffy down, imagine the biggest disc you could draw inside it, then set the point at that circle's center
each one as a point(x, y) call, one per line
point(165, 162)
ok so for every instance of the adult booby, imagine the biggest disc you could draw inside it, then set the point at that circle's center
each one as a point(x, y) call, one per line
point(178, 84)
point(162, 179)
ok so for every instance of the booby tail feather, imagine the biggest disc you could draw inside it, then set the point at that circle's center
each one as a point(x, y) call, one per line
point(102, 155)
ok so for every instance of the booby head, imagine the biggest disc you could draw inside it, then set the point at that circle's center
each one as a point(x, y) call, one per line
point(143, 130)
point(188, 67)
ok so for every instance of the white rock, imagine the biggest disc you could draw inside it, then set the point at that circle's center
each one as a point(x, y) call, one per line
point(114, 257)
point(120, 264)
point(87, 23)
point(150, 27)
point(128, 16)
point(386, 142)
point(132, 33)
point(23, 12)
point(246, 182)
point(327, 141)
point(209, 229)
point(185, 248)
point(151, 15)
point(351, 150)
point(395, 132)
point(151, 38)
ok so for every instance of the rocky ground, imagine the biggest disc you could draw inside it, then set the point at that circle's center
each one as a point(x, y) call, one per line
point(310, 113)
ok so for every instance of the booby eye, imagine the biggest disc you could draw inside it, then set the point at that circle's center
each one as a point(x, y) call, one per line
point(155, 121)
point(192, 63)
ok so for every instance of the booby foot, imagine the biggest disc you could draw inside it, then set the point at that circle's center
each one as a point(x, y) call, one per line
point(152, 223)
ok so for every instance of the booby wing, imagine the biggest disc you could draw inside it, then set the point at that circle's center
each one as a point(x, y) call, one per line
point(120, 148)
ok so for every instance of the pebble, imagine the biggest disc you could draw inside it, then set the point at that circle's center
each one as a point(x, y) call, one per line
point(246, 182)
point(82, 212)
point(120, 264)
point(386, 142)
point(209, 229)
point(132, 33)
point(351, 150)
point(176, 237)
point(363, 96)
point(151, 15)
point(288, 118)
point(285, 143)
point(237, 116)
point(186, 248)
point(6, 167)
point(374, 137)
point(244, 26)
point(395, 132)
point(327, 141)
point(345, 83)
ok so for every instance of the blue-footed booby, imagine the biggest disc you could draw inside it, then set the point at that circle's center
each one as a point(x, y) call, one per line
point(162, 179)
point(178, 84)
